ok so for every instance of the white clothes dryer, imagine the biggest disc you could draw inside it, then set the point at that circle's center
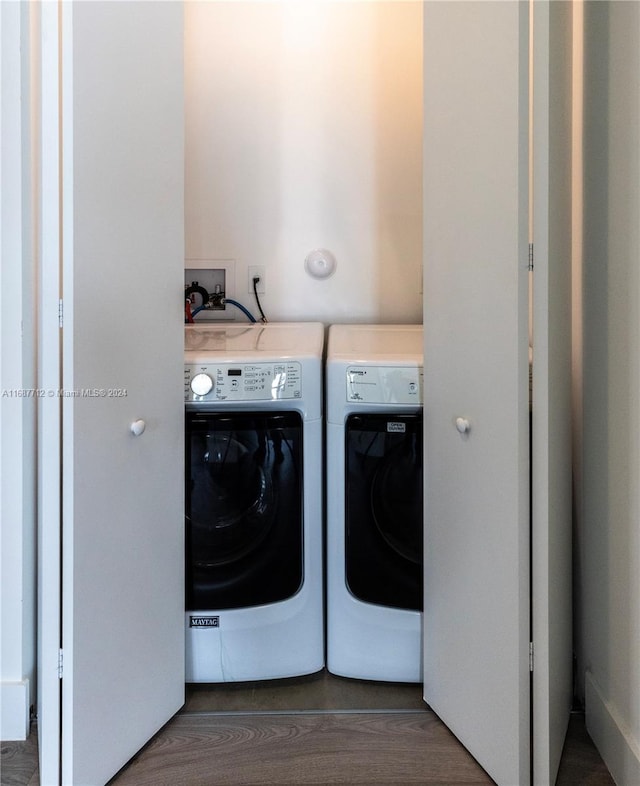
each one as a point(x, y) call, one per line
point(253, 501)
point(374, 501)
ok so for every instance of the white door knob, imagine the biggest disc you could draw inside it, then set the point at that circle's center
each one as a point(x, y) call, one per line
point(463, 425)
point(137, 427)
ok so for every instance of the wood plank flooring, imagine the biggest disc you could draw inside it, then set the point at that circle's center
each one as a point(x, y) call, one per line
point(309, 749)
point(318, 730)
point(581, 764)
point(19, 762)
point(300, 750)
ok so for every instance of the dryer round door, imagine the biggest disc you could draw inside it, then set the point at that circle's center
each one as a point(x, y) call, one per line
point(383, 509)
point(396, 500)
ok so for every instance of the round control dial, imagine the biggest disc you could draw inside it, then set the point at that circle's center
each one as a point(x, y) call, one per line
point(201, 384)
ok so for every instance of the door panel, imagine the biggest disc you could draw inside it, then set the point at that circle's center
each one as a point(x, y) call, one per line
point(476, 608)
point(551, 419)
point(46, 49)
point(123, 560)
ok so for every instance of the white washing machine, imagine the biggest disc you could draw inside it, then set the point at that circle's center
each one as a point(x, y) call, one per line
point(253, 501)
point(374, 502)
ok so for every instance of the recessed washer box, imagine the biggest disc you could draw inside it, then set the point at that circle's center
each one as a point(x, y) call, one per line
point(217, 277)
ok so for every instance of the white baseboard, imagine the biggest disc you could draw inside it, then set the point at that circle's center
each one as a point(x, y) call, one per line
point(616, 744)
point(14, 715)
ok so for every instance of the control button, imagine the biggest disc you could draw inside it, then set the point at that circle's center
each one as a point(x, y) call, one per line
point(201, 384)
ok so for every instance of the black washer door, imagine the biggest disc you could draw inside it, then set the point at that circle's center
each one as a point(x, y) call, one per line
point(383, 509)
point(244, 508)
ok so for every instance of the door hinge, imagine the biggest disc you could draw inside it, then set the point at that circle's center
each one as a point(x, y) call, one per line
point(60, 664)
point(530, 656)
point(530, 265)
point(60, 313)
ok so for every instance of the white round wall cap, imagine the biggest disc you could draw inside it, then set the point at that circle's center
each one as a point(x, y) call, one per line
point(320, 263)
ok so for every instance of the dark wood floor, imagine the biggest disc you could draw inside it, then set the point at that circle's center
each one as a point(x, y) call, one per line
point(376, 749)
point(319, 732)
point(298, 750)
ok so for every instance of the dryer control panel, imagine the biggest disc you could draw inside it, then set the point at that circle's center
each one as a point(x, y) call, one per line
point(384, 384)
point(205, 382)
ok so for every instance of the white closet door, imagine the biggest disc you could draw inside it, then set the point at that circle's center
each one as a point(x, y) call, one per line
point(46, 50)
point(476, 617)
point(551, 436)
point(122, 495)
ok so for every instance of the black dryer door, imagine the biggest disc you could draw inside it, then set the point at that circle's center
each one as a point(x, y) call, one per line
point(383, 509)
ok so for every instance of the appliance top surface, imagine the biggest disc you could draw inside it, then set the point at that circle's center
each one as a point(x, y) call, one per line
point(273, 340)
point(376, 343)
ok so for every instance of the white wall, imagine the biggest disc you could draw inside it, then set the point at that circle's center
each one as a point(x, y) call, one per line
point(303, 130)
point(609, 535)
point(17, 421)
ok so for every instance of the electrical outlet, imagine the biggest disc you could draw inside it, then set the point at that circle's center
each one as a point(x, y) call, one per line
point(257, 270)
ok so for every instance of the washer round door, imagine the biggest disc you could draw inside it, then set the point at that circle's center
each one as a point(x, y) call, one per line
point(243, 508)
point(383, 509)
point(233, 503)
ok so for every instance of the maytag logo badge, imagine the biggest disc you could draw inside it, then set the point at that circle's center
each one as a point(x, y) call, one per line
point(204, 622)
point(394, 426)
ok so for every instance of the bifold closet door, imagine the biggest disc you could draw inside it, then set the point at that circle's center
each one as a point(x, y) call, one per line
point(497, 622)
point(476, 402)
point(556, 35)
point(122, 541)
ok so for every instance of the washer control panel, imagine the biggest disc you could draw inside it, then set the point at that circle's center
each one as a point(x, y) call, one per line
point(205, 382)
point(385, 384)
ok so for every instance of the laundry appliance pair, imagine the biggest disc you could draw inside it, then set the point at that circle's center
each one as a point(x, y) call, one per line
point(255, 571)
